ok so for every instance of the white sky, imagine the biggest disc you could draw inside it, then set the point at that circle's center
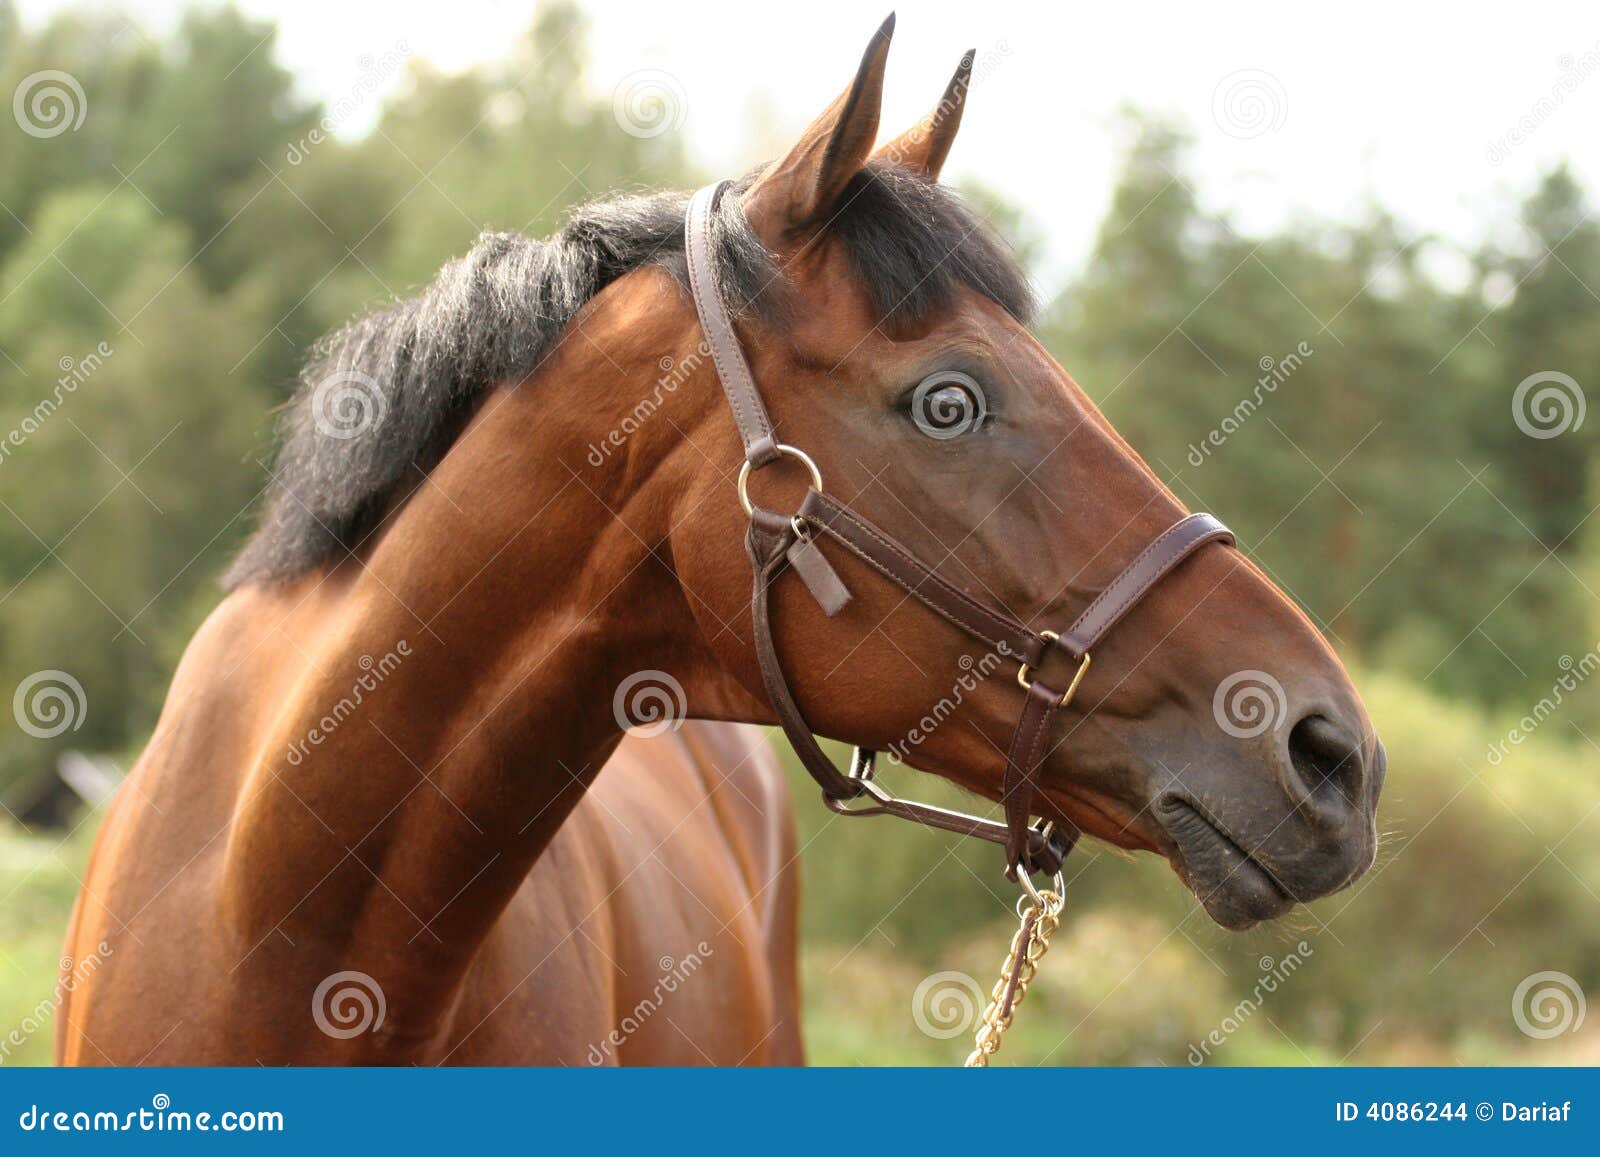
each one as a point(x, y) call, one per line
point(1386, 101)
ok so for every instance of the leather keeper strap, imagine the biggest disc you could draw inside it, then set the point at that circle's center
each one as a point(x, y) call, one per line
point(766, 546)
point(1019, 787)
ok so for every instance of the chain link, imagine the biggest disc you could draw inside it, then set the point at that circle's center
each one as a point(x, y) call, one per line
point(1040, 919)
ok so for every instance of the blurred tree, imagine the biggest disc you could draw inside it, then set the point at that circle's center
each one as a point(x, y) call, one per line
point(1331, 401)
point(133, 478)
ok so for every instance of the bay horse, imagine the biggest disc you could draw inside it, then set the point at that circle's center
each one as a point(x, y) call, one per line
point(368, 827)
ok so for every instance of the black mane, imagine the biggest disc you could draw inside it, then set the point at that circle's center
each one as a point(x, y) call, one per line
point(421, 366)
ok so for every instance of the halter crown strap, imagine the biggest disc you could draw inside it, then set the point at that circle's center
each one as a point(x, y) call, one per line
point(749, 412)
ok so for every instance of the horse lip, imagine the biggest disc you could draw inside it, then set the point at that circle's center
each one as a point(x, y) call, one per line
point(1244, 894)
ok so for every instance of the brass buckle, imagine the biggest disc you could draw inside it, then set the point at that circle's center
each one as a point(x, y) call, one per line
point(1025, 671)
point(789, 452)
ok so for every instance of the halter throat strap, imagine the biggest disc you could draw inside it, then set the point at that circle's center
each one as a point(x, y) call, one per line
point(776, 542)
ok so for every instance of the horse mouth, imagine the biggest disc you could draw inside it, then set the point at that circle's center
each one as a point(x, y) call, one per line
point(1236, 889)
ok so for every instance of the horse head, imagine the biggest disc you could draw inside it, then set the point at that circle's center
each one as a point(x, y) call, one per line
point(888, 332)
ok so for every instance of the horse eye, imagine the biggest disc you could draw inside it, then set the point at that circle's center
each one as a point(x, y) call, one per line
point(948, 404)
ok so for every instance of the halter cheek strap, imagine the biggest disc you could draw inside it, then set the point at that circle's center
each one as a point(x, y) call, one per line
point(776, 542)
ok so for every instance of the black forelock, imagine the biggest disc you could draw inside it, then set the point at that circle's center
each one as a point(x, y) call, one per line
point(915, 244)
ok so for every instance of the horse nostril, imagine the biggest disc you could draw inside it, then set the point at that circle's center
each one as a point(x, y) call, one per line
point(1326, 758)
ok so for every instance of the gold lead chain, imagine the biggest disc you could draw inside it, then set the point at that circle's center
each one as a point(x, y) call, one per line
point(1040, 919)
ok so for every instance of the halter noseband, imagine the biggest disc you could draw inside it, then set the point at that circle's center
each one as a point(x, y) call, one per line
point(778, 540)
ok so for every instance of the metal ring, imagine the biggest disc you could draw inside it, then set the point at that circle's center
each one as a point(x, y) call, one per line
point(1024, 671)
point(1032, 895)
point(1029, 892)
point(789, 451)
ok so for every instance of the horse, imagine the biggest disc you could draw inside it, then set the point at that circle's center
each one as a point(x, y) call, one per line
point(371, 827)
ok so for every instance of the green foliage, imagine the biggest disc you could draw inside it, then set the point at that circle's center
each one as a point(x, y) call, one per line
point(1254, 367)
point(164, 267)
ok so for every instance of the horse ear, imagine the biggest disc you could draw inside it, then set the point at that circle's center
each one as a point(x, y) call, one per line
point(804, 187)
point(923, 147)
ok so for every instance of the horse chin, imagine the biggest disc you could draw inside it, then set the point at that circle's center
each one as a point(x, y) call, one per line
point(1235, 888)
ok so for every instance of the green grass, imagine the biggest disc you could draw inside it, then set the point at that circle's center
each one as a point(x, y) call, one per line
point(38, 880)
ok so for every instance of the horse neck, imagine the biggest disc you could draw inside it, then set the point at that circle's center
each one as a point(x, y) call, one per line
point(454, 696)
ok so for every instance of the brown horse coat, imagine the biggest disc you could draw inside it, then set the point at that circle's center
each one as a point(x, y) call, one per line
point(659, 928)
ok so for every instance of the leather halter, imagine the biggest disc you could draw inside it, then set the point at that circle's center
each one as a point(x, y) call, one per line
point(776, 541)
